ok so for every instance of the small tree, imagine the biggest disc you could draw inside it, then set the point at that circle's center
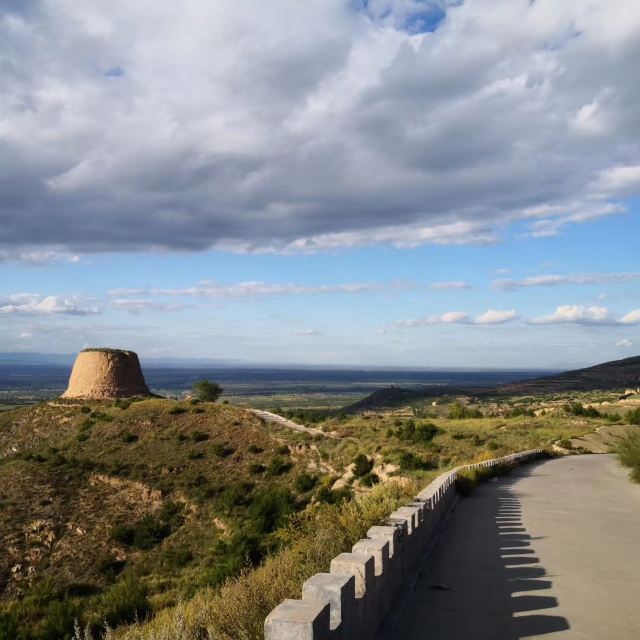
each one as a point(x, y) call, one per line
point(361, 465)
point(207, 391)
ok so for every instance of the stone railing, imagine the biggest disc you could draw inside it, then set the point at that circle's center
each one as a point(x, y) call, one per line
point(354, 598)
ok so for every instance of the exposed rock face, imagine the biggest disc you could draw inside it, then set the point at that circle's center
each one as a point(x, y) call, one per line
point(106, 373)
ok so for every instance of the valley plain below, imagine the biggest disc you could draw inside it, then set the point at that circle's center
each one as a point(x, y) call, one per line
point(31, 379)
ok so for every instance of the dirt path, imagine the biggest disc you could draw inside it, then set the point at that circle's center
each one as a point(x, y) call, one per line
point(267, 416)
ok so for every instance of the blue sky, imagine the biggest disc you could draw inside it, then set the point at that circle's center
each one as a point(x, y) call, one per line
point(412, 183)
point(349, 327)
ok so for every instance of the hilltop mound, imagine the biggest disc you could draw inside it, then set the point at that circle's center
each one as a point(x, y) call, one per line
point(106, 373)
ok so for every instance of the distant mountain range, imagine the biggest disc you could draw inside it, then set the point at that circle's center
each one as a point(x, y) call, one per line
point(614, 375)
point(617, 374)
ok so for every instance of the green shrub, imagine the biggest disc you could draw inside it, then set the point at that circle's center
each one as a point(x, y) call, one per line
point(206, 390)
point(222, 450)
point(278, 466)
point(305, 482)
point(633, 416)
point(409, 460)
point(85, 409)
point(149, 532)
point(334, 496)
point(176, 558)
point(283, 450)
point(236, 494)
point(629, 452)
point(361, 465)
point(576, 409)
point(196, 455)
point(128, 437)
point(254, 448)
point(466, 482)
point(109, 567)
point(123, 533)
point(411, 432)
point(516, 412)
point(369, 479)
point(304, 416)
point(200, 436)
point(257, 468)
point(9, 626)
point(270, 508)
point(458, 411)
point(177, 410)
point(100, 415)
point(151, 529)
point(126, 601)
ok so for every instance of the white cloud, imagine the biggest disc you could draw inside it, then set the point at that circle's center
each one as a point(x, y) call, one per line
point(451, 284)
point(624, 343)
point(555, 280)
point(493, 316)
point(451, 317)
point(633, 317)
point(141, 305)
point(295, 126)
point(623, 179)
point(590, 119)
point(253, 289)
point(307, 332)
point(33, 304)
point(37, 257)
point(577, 314)
point(574, 213)
point(581, 314)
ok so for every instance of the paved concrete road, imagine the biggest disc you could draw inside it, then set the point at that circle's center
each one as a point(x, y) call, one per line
point(551, 551)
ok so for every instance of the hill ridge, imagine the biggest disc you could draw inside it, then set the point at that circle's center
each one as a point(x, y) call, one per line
point(610, 375)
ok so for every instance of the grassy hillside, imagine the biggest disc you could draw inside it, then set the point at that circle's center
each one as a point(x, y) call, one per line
point(112, 511)
point(108, 510)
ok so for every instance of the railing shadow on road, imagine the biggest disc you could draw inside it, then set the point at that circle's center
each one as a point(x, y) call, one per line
point(484, 580)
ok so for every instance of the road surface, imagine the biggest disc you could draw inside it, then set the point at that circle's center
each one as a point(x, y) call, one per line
point(550, 551)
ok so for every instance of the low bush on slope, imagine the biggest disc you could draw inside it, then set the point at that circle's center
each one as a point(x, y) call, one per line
point(236, 611)
point(629, 452)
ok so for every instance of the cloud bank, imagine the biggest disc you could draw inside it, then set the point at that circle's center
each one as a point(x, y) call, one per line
point(557, 280)
point(311, 126)
point(34, 304)
point(581, 314)
point(492, 316)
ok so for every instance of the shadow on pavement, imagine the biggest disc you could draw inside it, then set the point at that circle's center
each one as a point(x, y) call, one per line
point(484, 580)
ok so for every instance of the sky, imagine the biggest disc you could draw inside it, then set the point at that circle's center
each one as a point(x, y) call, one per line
point(419, 183)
